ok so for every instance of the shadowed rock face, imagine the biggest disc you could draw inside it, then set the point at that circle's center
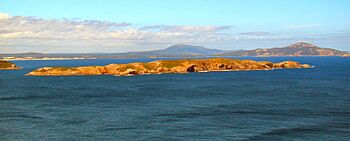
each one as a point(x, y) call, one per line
point(191, 68)
point(5, 65)
point(168, 66)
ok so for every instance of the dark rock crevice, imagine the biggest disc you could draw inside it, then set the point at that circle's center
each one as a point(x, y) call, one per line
point(191, 68)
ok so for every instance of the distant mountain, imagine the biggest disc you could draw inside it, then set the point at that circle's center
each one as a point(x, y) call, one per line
point(177, 50)
point(181, 50)
point(297, 49)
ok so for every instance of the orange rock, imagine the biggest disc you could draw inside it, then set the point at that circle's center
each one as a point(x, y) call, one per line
point(287, 64)
point(168, 66)
point(5, 65)
point(346, 55)
point(306, 66)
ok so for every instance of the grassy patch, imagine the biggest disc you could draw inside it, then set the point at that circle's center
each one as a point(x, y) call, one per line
point(64, 68)
point(172, 63)
point(148, 66)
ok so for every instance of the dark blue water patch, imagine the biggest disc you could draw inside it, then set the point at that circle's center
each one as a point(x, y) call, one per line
point(291, 104)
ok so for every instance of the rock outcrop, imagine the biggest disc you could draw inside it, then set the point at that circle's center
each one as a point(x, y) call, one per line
point(168, 66)
point(346, 55)
point(5, 65)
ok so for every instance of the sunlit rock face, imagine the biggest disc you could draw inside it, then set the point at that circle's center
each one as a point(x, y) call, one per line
point(168, 66)
point(5, 65)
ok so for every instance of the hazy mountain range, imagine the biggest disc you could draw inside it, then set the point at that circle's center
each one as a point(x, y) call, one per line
point(181, 50)
point(177, 50)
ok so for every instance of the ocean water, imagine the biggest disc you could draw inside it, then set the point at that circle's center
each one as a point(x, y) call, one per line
point(291, 104)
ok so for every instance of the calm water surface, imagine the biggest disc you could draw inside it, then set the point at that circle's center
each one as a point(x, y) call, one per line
point(293, 104)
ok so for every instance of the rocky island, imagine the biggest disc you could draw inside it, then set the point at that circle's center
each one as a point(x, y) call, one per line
point(5, 65)
point(167, 66)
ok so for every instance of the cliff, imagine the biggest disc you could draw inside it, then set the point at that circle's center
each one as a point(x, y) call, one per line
point(167, 66)
point(5, 65)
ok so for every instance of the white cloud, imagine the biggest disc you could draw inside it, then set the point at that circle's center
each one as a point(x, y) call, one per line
point(257, 33)
point(4, 16)
point(188, 28)
point(67, 35)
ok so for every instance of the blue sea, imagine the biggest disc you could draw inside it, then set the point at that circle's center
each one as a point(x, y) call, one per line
point(289, 104)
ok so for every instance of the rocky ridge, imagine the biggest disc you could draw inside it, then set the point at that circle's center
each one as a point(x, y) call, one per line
point(168, 66)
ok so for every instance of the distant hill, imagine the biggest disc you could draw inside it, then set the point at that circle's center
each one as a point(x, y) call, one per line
point(182, 50)
point(297, 49)
point(177, 50)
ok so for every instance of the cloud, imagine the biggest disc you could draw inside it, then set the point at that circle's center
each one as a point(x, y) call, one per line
point(301, 26)
point(256, 33)
point(21, 33)
point(187, 28)
point(4, 16)
point(68, 34)
point(331, 36)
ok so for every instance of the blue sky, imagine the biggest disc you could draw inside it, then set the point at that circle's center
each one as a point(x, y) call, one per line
point(224, 24)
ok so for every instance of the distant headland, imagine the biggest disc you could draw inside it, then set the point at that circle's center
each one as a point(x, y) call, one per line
point(296, 49)
point(168, 66)
point(182, 50)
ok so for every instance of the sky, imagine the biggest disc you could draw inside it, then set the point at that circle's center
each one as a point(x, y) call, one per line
point(90, 26)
